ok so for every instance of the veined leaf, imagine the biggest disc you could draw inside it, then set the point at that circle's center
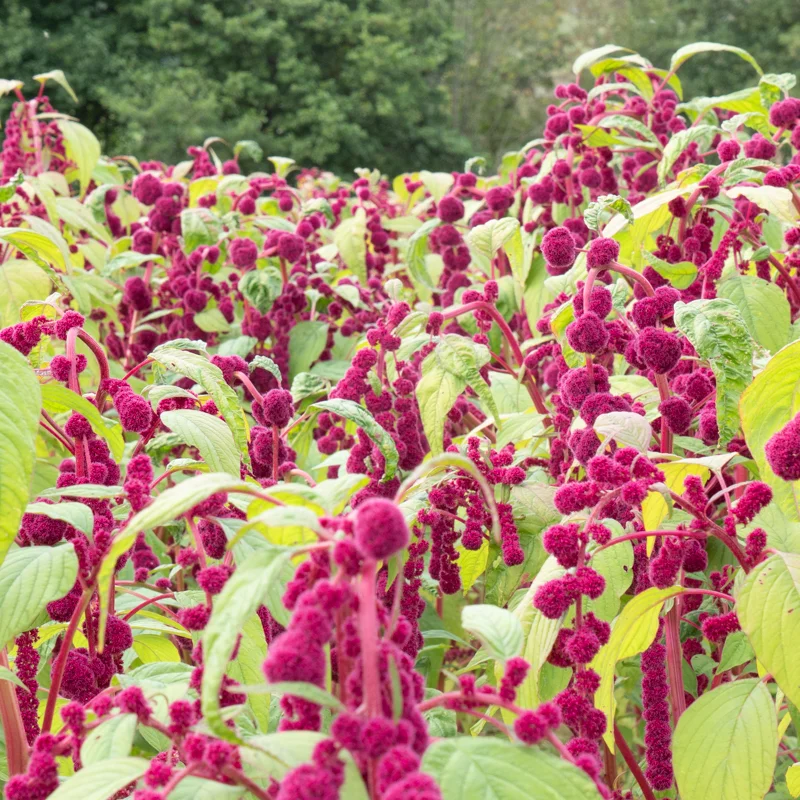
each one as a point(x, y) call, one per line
point(726, 743)
point(209, 434)
point(19, 423)
point(719, 335)
point(101, 780)
point(767, 405)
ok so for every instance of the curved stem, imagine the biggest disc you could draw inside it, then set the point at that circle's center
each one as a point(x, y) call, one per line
point(61, 661)
point(633, 764)
point(13, 728)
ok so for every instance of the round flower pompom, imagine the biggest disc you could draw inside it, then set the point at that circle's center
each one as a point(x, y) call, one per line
point(136, 294)
point(659, 350)
point(380, 529)
point(728, 150)
point(678, 414)
point(243, 252)
point(277, 408)
point(577, 384)
point(450, 209)
point(558, 249)
point(70, 320)
point(135, 413)
point(587, 334)
point(783, 451)
point(291, 246)
point(146, 188)
point(602, 252)
point(499, 198)
point(118, 635)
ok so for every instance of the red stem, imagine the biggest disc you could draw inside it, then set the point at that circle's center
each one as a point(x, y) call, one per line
point(61, 661)
point(633, 764)
point(13, 727)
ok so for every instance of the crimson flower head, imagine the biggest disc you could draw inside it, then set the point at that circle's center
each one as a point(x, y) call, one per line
point(587, 334)
point(450, 209)
point(558, 249)
point(602, 253)
point(783, 451)
point(380, 529)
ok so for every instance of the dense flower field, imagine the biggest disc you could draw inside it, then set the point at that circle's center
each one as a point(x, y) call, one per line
point(453, 486)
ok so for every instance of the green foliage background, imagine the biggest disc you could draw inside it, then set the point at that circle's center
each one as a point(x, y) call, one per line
point(348, 83)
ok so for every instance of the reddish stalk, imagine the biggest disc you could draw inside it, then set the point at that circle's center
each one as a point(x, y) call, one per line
point(61, 661)
point(13, 727)
point(633, 764)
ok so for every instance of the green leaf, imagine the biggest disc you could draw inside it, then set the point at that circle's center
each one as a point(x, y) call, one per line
point(682, 55)
point(591, 56)
point(82, 148)
point(308, 691)
point(462, 358)
point(253, 584)
point(60, 78)
point(473, 768)
point(766, 406)
point(268, 364)
point(499, 631)
point(615, 564)
point(209, 434)
point(9, 189)
point(20, 282)
point(607, 204)
point(7, 675)
point(681, 275)
point(169, 505)
point(436, 392)
point(307, 340)
point(735, 651)
point(489, 237)
point(192, 788)
point(763, 306)
point(211, 320)
point(416, 249)
point(625, 427)
point(110, 739)
point(58, 398)
point(306, 384)
point(726, 743)
point(202, 371)
point(349, 238)
point(20, 403)
point(198, 228)
point(678, 143)
point(261, 287)
point(274, 754)
point(76, 514)
point(632, 632)
point(354, 412)
point(128, 260)
point(249, 149)
point(719, 335)
point(773, 87)
point(768, 607)
point(773, 199)
point(30, 578)
point(37, 247)
point(539, 633)
point(101, 780)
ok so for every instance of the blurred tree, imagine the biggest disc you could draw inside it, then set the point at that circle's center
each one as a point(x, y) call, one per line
point(338, 83)
point(348, 83)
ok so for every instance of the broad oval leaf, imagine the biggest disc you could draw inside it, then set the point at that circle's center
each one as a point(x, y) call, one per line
point(209, 434)
point(471, 768)
point(19, 422)
point(110, 739)
point(632, 633)
point(350, 410)
point(30, 578)
point(726, 743)
point(771, 400)
point(768, 606)
point(497, 628)
point(101, 780)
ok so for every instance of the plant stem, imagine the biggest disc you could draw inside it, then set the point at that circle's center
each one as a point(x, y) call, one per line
point(61, 661)
point(13, 727)
point(633, 764)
